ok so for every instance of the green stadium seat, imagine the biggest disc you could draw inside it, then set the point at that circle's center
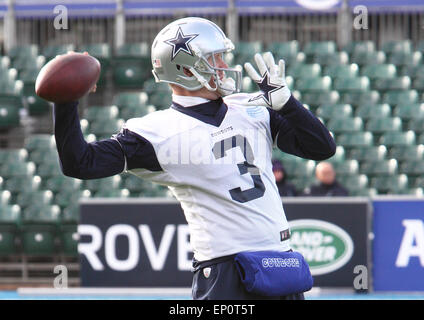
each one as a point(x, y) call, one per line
point(129, 74)
point(366, 153)
point(126, 99)
point(134, 184)
point(28, 63)
point(316, 99)
point(101, 113)
point(319, 47)
point(65, 200)
point(30, 50)
point(418, 192)
point(34, 198)
point(395, 138)
point(283, 50)
point(63, 184)
point(22, 184)
point(367, 192)
point(399, 83)
point(368, 58)
point(106, 128)
point(38, 240)
point(10, 155)
point(416, 125)
point(133, 50)
point(355, 139)
point(151, 86)
point(396, 46)
point(300, 168)
point(245, 50)
point(8, 76)
point(35, 105)
point(17, 169)
point(379, 71)
point(348, 124)
point(109, 183)
point(420, 46)
point(44, 156)
point(42, 214)
point(346, 168)
point(9, 117)
point(379, 167)
point(356, 47)
point(354, 183)
point(413, 168)
point(342, 71)
point(49, 169)
point(103, 53)
point(248, 85)
point(314, 84)
point(352, 84)
point(333, 111)
point(69, 240)
point(412, 71)
point(51, 51)
point(382, 125)
point(406, 58)
point(40, 142)
point(407, 152)
point(5, 197)
point(112, 193)
point(418, 84)
point(400, 97)
point(391, 184)
point(304, 70)
point(360, 98)
point(160, 101)
point(135, 111)
point(339, 156)
point(334, 58)
point(301, 183)
point(367, 111)
point(9, 223)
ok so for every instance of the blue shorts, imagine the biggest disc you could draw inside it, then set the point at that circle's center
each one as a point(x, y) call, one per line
point(218, 279)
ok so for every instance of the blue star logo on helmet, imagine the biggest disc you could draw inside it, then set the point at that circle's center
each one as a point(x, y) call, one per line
point(267, 88)
point(180, 43)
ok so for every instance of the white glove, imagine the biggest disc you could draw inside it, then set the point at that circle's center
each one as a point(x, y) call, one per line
point(272, 84)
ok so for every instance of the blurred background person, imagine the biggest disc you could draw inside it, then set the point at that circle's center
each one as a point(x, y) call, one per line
point(327, 183)
point(285, 188)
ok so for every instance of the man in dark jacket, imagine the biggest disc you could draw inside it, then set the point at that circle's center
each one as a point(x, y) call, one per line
point(285, 188)
point(327, 185)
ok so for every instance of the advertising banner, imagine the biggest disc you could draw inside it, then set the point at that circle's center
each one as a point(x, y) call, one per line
point(398, 246)
point(145, 243)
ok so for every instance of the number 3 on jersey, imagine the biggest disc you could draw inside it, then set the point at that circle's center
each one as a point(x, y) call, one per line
point(219, 150)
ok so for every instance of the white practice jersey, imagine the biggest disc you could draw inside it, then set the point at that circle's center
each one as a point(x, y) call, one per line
point(222, 176)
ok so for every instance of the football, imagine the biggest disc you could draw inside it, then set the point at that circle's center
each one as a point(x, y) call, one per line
point(67, 77)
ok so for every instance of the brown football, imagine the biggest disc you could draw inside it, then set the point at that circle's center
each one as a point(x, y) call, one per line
point(67, 77)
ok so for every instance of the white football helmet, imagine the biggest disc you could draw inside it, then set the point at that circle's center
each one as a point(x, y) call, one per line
point(187, 44)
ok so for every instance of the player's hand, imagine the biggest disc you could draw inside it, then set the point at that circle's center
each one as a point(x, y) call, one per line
point(271, 81)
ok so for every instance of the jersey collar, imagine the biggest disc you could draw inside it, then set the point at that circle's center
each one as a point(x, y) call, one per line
point(212, 112)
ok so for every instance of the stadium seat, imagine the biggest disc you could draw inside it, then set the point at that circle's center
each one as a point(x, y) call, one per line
point(356, 47)
point(17, 169)
point(396, 46)
point(352, 84)
point(366, 153)
point(316, 99)
point(313, 48)
point(390, 184)
point(34, 198)
point(413, 168)
point(395, 138)
point(69, 240)
point(134, 184)
point(101, 113)
point(407, 152)
point(339, 156)
point(379, 71)
point(109, 183)
point(245, 50)
point(28, 63)
point(64, 200)
point(300, 168)
point(314, 84)
point(40, 142)
point(151, 86)
point(160, 101)
point(304, 70)
point(70, 214)
point(399, 83)
point(41, 213)
point(382, 125)
point(9, 224)
point(400, 97)
point(129, 74)
point(38, 240)
point(360, 98)
point(366, 192)
point(283, 50)
point(342, 71)
point(135, 111)
point(355, 139)
point(416, 125)
point(63, 184)
point(10, 215)
point(348, 124)
point(368, 58)
point(333, 111)
point(406, 58)
point(418, 84)
point(10, 155)
point(30, 50)
point(44, 156)
point(106, 128)
point(412, 71)
point(5, 197)
point(354, 183)
point(133, 50)
point(367, 111)
point(112, 193)
point(35, 105)
point(346, 168)
point(51, 51)
point(379, 167)
point(22, 184)
point(49, 169)
point(9, 117)
point(301, 183)
point(103, 53)
point(328, 59)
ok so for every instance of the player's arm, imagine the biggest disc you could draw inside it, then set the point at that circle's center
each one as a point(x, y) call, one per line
point(99, 159)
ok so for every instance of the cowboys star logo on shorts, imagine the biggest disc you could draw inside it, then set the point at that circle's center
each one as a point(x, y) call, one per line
point(267, 88)
point(180, 43)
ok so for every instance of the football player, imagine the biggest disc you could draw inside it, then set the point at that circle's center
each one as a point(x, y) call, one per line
point(212, 148)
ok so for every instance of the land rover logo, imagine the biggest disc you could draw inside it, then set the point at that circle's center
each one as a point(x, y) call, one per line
point(325, 246)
